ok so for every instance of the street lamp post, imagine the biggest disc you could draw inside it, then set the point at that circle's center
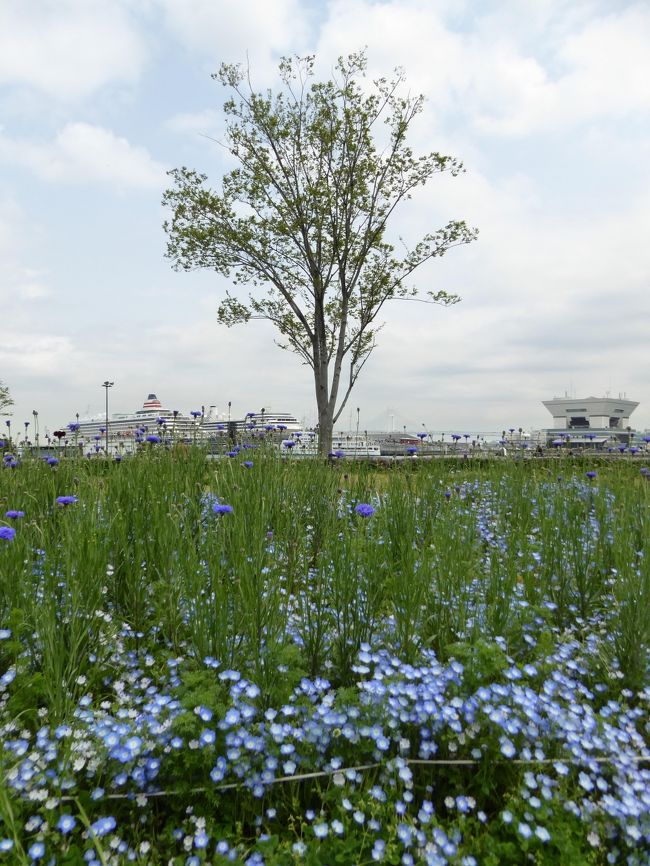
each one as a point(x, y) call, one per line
point(106, 385)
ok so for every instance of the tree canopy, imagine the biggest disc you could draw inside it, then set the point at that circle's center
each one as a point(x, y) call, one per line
point(321, 169)
point(5, 399)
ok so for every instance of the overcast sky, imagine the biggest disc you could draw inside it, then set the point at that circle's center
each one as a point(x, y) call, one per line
point(547, 102)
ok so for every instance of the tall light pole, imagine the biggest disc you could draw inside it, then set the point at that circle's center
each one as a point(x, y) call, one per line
point(106, 385)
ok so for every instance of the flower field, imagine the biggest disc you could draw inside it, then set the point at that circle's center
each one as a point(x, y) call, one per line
point(265, 661)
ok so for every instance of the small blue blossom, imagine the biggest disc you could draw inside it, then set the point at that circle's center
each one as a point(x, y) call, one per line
point(36, 851)
point(66, 500)
point(66, 823)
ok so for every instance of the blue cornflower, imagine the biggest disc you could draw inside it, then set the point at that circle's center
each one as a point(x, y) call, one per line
point(7, 532)
point(153, 439)
point(591, 474)
point(222, 508)
point(248, 464)
point(66, 823)
point(14, 515)
point(66, 500)
point(363, 509)
point(52, 461)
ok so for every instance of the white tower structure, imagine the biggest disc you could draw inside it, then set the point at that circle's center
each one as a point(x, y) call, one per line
point(591, 420)
point(590, 413)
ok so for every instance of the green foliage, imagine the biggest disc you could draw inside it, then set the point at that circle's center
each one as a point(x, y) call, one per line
point(294, 583)
point(322, 167)
point(5, 399)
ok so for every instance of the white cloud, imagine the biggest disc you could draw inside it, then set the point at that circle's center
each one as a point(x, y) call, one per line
point(18, 283)
point(230, 31)
point(557, 67)
point(208, 123)
point(68, 48)
point(82, 152)
point(34, 353)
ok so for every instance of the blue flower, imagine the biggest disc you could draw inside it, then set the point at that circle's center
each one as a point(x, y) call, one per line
point(201, 839)
point(36, 851)
point(363, 509)
point(6, 844)
point(66, 823)
point(222, 508)
point(207, 737)
point(7, 532)
point(203, 713)
point(153, 439)
point(14, 515)
point(103, 826)
point(66, 500)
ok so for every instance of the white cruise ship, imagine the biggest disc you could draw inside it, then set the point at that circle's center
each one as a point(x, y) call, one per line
point(305, 444)
point(126, 431)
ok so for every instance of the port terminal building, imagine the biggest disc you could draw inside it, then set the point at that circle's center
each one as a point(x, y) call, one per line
point(590, 420)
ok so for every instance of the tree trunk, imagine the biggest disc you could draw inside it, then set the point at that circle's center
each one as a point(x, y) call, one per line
point(325, 413)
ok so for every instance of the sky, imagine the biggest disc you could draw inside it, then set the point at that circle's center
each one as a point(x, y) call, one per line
point(546, 102)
